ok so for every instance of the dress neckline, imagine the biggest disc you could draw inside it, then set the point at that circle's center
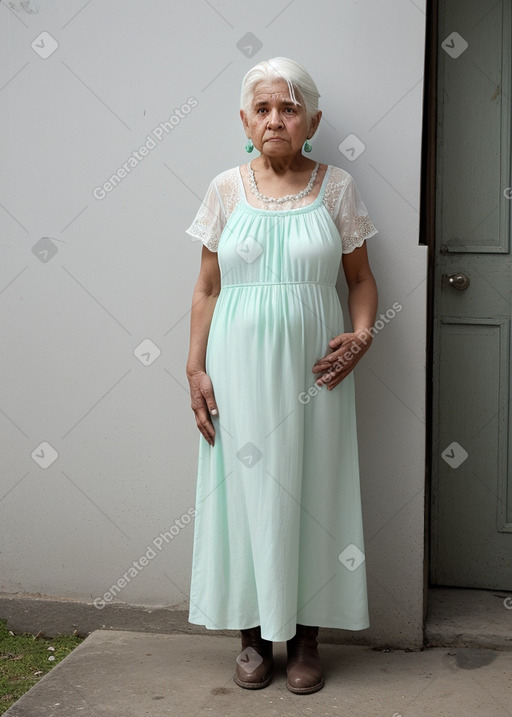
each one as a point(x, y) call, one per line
point(312, 205)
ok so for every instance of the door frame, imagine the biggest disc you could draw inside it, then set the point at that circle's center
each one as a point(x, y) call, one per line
point(427, 236)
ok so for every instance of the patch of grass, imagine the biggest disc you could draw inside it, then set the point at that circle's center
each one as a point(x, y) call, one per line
point(25, 658)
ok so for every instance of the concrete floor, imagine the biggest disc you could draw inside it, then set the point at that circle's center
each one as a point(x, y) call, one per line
point(469, 618)
point(117, 673)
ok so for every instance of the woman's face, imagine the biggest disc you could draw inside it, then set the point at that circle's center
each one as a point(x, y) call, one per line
point(276, 126)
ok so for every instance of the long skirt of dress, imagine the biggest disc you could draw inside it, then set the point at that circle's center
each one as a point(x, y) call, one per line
point(278, 535)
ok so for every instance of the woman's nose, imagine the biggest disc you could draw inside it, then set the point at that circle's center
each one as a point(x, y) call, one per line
point(274, 119)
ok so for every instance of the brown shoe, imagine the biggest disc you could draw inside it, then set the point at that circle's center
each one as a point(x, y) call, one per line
point(254, 665)
point(303, 667)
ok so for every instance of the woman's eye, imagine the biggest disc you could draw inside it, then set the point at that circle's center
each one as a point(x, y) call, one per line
point(288, 110)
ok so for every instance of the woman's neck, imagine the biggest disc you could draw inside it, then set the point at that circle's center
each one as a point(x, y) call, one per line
point(282, 165)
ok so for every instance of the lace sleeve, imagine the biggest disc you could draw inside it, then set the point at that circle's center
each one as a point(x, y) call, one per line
point(210, 219)
point(352, 219)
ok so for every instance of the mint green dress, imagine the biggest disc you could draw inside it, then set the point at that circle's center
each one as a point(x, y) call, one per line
point(278, 535)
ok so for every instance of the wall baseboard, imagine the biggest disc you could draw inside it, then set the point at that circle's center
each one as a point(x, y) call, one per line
point(52, 616)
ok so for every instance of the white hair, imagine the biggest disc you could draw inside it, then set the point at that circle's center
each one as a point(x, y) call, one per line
point(282, 68)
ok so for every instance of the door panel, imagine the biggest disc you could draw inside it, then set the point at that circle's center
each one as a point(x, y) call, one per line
point(471, 512)
point(474, 127)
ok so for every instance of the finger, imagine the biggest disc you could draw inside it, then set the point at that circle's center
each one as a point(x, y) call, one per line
point(342, 357)
point(326, 361)
point(339, 377)
point(205, 425)
point(336, 374)
point(207, 435)
point(209, 398)
point(337, 340)
point(332, 369)
point(332, 386)
point(210, 402)
point(325, 378)
point(321, 367)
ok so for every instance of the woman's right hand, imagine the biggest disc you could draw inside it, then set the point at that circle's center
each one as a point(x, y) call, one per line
point(203, 403)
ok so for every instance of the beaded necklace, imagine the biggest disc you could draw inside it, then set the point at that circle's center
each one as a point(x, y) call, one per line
point(288, 197)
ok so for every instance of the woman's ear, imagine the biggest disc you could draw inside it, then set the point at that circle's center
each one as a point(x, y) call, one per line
point(245, 123)
point(315, 121)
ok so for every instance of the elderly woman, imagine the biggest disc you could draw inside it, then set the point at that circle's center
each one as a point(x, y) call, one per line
point(278, 542)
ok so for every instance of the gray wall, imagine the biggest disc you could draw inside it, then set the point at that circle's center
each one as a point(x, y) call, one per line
point(96, 285)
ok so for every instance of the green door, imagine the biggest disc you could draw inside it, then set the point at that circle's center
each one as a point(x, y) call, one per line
point(471, 510)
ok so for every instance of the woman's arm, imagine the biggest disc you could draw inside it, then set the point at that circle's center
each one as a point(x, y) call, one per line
point(362, 290)
point(348, 348)
point(204, 299)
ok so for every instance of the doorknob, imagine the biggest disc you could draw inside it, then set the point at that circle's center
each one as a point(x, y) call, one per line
point(459, 281)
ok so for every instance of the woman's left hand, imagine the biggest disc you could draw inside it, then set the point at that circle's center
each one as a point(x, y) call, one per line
point(347, 350)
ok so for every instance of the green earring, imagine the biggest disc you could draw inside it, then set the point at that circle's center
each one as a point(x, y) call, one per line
point(307, 147)
point(249, 146)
